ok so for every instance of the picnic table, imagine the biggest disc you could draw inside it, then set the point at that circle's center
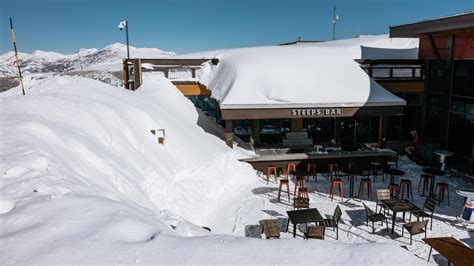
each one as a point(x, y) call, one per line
point(303, 216)
point(452, 249)
point(393, 172)
point(396, 205)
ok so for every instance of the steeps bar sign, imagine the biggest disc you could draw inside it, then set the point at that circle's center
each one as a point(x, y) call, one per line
point(315, 112)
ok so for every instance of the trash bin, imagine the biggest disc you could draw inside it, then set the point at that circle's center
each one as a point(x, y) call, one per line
point(468, 209)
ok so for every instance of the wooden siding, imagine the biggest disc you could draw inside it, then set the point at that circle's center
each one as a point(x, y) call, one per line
point(403, 86)
point(193, 89)
point(463, 45)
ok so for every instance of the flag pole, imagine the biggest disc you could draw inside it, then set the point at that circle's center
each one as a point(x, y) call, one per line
point(17, 57)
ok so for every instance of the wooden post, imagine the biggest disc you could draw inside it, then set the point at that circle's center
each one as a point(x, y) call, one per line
point(256, 132)
point(296, 125)
point(229, 133)
point(137, 73)
point(125, 74)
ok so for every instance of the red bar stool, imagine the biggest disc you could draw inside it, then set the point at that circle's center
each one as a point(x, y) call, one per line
point(406, 184)
point(426, 180)
point(284, 182)
point(442, 188)
point(311, 168)
point(289, 168)
point(394, 190)
point(333, 169)
point(336, 182)
point(272, 170)
point(368, 183)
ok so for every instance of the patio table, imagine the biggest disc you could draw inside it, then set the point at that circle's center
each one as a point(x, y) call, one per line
point(396, 205)
point(433, 172)
point(352, 174)
point(452, 249)
point(303, 216)
point(393, 173)
point(442, 157)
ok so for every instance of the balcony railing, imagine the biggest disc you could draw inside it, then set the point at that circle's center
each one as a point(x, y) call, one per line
point(393, 69)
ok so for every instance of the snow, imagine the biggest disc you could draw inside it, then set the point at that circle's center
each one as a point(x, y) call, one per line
point(84, 181)
point(322, 74)
point(293, 77)
point(109, 58)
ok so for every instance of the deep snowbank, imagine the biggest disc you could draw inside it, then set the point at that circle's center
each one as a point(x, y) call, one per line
point(84, 181)
point(83, 136)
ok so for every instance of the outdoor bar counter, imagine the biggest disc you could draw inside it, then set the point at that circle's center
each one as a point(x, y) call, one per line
point(321, 159)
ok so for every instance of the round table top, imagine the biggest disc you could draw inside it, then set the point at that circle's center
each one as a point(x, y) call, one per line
point(300, 173)
point(392, 171)
point(443, 153)
point(433, 171)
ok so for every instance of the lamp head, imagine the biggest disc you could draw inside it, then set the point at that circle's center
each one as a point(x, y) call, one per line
point(122, 25)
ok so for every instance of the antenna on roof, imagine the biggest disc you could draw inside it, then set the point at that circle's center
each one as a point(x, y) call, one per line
point(335, 18)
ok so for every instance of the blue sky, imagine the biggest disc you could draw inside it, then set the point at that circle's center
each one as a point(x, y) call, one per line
point(196, 25)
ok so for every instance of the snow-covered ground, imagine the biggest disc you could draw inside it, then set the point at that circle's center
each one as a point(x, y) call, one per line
point(84, 181)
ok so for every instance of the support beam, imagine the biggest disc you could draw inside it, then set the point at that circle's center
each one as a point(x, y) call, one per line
point(229, 133)
point(382, 130)
point(337, 130)
point(297, 125)
point(256, 132)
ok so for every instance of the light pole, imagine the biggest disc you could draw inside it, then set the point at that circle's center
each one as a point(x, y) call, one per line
point(121, 25)
point(335, 18)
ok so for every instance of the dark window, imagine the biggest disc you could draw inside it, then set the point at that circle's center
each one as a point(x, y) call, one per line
point(412, 98)
point(461, 132)
point(436, 80)
point(272, 131)
point(433, 124)
point(243, 129)
point(435, 100)
point(463, 82)
point(319, 129)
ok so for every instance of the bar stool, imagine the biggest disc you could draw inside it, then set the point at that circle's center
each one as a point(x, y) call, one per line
point(376, 166)
point(442, 187)
point(336, 182)
point(311, 168)
point(365, 182)
point(333, 169)
point(284, 182)
point(271, 169)
point(406, 184)
point(394, 190)
point(300, 181)
point(352, 166)
point(426, 179)
point(289, 168)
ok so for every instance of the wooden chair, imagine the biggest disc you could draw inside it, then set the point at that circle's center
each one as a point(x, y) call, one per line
point(374, 217)
point(334, 221)
point(315, 232)
point(415, 228)
point(301, 203)
point(428, 211)
point(382, 194)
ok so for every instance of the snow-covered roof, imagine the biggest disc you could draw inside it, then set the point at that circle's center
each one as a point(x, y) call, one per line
point(301, 76)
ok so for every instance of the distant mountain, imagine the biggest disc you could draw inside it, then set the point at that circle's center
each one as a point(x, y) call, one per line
point(108, 59)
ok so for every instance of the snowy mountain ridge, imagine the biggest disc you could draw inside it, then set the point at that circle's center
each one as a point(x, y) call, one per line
point(108, 58)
